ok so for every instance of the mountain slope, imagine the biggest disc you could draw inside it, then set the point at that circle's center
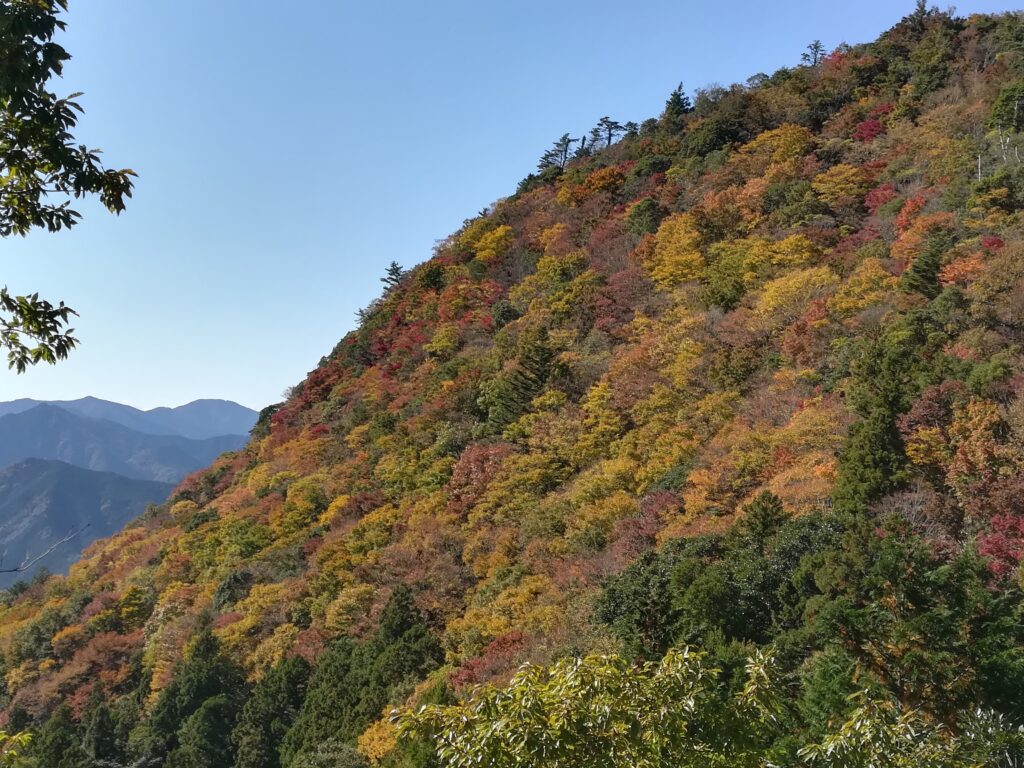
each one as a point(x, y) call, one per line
point(749, 377)
point(197, 420)
point(42, 502)
point(50, 432)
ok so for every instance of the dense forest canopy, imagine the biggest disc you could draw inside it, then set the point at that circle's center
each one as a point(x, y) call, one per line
point(716, 422)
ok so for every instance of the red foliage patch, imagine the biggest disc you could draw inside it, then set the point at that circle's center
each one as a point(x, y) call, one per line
point(868, 130)
point(1004, 545)
point(476, 467)
point(991, 242)
point(909, 212)
point(879, 196)
point(620, 297)
point(497, 657)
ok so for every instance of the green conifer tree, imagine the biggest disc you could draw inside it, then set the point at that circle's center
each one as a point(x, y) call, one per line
point(922, 276)
point(677, 107)
point(59, 744)
point(206, 673)
point(204, 740)
point(269, 713)
point(100, 740)
point(353, 683)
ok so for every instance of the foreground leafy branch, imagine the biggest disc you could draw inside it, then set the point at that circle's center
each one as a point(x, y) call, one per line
point(42, 168)
point(11, 746)
point(604, 712)
point(34, 330)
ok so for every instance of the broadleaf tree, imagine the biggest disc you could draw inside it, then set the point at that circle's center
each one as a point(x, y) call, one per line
point(42, 169)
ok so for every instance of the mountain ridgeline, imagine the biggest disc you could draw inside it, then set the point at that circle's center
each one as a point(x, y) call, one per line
point(198, 420)
point(50, 432)
point(730, 396)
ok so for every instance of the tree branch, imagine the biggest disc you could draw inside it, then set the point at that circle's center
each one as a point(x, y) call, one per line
point(29, 563)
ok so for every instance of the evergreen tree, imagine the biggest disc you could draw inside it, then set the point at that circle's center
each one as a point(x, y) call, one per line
point(327, 707)
point(922, 276)
point(393, 276)
point(558, 155)
point(18, 719)
point(399, 616)
point(644, 217)
point(888, 373)
point(585, 149)
point(204, 675)
point(509, 394)
point(353, 683)
point(534, 360)
point(269, 713)
point(604, 133)
point(871, 463)
point(100, 741)
point(814, 54)
point(677, 107)
point(919, 16)
point(764, 516)
point(638, 605)
point(205, 738)
point(59, 743)
point(610, 130)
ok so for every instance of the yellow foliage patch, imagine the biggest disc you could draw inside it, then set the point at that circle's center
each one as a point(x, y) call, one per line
point(677, 257)
point(785, 299)
point(869, 284)
point(494, 244)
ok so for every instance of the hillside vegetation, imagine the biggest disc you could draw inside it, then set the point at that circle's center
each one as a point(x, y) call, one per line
point(744, 377)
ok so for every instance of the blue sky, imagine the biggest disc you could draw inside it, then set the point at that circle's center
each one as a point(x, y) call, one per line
point(287, 156)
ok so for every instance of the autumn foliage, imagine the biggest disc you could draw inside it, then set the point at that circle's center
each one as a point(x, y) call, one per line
point(749, 372)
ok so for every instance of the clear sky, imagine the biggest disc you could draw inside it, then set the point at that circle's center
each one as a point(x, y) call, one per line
point(287, 152)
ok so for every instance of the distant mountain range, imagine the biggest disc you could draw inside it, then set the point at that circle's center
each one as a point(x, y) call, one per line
point(65, 464)
point(41, 502)
point(197, 420)
point(50, 432)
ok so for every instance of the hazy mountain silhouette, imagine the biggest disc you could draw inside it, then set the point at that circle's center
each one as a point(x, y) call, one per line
point(198, 420)
point(51, 432)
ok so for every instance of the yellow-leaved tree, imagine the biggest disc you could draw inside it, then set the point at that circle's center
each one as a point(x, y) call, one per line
point(677, 257)
point(784, 299)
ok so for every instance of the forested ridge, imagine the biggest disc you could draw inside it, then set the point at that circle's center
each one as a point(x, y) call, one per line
point(717, 422)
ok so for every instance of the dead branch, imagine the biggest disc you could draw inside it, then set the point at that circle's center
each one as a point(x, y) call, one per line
point(26, 564)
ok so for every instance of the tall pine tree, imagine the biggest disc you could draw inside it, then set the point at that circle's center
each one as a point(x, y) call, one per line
point(204, 740)
point(677, 107)
point(100, 741)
